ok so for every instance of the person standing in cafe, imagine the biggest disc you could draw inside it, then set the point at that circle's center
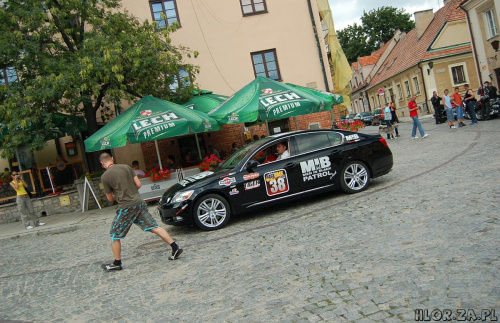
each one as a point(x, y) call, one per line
point(23, 201)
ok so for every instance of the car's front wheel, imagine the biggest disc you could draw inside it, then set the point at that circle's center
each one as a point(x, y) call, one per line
point(355, 177)
point(211, 212)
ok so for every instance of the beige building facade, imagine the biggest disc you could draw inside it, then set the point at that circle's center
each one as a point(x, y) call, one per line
point(482, 18)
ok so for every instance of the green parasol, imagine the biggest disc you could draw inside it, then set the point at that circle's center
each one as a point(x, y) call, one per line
point(205, 102)
point(147, 120)
point(337, 98)
point(265, 99)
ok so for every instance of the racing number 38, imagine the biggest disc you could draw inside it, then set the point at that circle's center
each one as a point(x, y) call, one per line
point(276, 182)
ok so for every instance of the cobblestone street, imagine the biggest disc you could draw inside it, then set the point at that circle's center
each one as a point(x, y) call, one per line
point(425, 236)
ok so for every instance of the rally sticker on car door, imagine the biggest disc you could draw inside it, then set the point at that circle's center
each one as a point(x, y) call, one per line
point(276, 182)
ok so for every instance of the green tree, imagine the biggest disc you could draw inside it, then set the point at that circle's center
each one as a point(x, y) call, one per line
point(81, 57)
point(377, 27)
point(354, 42)
point(380, 24)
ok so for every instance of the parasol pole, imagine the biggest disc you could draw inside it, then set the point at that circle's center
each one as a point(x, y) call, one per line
point(158, 154)
point(198, 145)
point(267, 128)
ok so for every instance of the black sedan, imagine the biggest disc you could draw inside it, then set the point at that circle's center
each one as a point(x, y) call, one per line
point(255, 176)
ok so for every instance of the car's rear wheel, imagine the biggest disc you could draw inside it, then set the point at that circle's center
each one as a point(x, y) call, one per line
point(211, 212)
point(355, 177)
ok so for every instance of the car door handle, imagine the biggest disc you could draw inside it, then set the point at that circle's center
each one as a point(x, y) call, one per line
point(290, 165)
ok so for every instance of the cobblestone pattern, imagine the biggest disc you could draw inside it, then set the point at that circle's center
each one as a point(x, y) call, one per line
point(424, 236)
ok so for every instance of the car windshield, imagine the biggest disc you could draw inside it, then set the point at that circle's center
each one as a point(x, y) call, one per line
point(366, 113)
point(238, 156)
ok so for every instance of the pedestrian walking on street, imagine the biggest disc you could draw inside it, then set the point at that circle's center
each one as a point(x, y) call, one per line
point(395, 119)
point(456, 99)
point(413, 108)
point(23, 201)
point(449, 109)
point(122, 185)
point(470, 104)
point(388, 120)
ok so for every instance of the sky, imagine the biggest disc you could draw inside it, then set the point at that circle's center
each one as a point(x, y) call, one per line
point(348, 12)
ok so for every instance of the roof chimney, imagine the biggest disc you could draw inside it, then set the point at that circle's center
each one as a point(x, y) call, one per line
point(422, 20)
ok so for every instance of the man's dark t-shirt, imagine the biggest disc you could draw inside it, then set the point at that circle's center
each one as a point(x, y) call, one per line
point(119, 180)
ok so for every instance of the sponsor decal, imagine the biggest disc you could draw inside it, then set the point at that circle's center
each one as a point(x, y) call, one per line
point(226, 175)
point(208, 125)
point(226, 181)
point(267, 91)
point(316, 168)
point(250, 176)
point(234, 191)
point(105, 142)
point(149, 124)
point(251, 185)
point(233, 117)
point(276, 182)
point(194, 178)
point(279, 103)
point(351, 138)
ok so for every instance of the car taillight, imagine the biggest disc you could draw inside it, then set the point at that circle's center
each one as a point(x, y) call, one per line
point(382, 140)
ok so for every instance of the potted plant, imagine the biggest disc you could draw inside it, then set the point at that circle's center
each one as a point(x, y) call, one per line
point(209, 163)
point(351, 126)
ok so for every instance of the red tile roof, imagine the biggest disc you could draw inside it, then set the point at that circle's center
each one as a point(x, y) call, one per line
point(410, 50)
point(355, 66)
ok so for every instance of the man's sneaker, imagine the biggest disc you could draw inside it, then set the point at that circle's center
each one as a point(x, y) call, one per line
point(462, 124)
point(426, 135)
point(175, 254)
point(472, 123)
point(453, 127)
point(414, 137)
point(29, 227)
point(39, 224)
point(111, 267)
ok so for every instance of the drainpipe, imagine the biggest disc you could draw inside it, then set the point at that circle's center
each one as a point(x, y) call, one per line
point(325, 79)
point(473, 45)
point(425, 87)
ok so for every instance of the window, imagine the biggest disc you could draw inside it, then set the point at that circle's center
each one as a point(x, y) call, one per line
point(8, 75)
point(417, 86)
point(373, 102)
point(265, 64)
point(400, 92)
point(314, 125)
point(407, 87)
point(312, 141)
point(183, 77)
point(458, 74)
point(252, 7)
point(167, 8)
point(491, 26)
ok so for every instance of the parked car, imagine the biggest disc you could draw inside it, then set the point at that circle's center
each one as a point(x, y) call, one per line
point(378, 115)
point(320, 160)
point(350, 117)
point(365, 116)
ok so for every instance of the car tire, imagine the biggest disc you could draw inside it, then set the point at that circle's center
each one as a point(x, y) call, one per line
point(211, 212)
point(355, 177)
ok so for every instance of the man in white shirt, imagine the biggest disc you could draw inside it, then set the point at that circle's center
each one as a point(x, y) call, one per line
point(282, 149)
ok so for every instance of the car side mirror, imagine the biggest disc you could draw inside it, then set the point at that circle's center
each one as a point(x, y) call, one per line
point(252, 164)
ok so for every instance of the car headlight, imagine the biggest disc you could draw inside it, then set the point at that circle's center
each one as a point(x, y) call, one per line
point(182, 196)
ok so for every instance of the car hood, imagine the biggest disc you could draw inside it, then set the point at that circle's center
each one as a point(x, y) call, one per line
point(194, 182)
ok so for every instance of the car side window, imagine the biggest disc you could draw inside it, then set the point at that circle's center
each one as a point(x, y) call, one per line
point(335, 138)
point(312, 141)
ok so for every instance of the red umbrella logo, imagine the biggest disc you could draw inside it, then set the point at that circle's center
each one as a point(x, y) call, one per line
point(267, 91)
point(146, 113)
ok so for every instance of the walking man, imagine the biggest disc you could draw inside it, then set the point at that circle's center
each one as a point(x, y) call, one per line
point(388, 120)
point(470, 103)
point(122, 185)
point(413, 108)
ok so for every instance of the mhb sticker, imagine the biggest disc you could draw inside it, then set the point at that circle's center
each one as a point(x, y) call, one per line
point(276, 182)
